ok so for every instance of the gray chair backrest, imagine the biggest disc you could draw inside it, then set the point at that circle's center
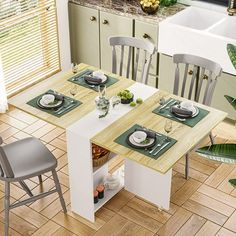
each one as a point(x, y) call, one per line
point(203, 80)
point(132, 44)
point(5, 167)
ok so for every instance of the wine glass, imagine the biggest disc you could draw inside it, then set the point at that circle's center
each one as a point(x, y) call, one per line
point(168, 128)
point(74, 90)
point(74, 68)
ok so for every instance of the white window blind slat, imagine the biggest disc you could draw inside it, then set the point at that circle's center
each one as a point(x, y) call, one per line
point(28, 42)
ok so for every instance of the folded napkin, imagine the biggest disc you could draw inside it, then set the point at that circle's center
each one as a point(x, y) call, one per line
point(181, 111)
point(91, 79)
point(150, 134)
point(57, 96)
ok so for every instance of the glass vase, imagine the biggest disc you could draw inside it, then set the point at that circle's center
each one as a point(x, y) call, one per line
point(102, 102)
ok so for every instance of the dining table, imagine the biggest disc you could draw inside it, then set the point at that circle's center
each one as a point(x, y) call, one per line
point(146, 175)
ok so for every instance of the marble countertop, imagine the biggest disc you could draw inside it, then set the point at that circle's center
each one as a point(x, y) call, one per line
point(130, 8)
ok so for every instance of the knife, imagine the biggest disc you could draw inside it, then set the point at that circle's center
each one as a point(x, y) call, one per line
point(166, 104)
point(166, 144)
point(63, 110)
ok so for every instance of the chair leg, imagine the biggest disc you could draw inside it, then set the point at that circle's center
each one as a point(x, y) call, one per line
point(26, 188)
point(7, 205)
point(40, 179)
point(58, 188)
point(211, 138)
point(186, 166)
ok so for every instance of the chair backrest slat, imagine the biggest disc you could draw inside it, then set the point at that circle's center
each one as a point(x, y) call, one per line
point(133, 43)
point(184, 79)
point(200, 66)
point(136, 63)
point(121, 59)
point(200, 82)
point(128, 62)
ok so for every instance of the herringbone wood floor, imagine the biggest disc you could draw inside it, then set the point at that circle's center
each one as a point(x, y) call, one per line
point(203, 205)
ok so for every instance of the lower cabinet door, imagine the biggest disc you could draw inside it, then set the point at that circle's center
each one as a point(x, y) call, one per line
point(112, 25)
point(84, 34)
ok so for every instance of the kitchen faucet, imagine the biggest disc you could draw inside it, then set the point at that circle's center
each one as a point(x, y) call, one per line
point(232, 7)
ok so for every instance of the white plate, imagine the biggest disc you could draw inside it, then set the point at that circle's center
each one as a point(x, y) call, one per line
point(195, 113)
point(43, 104)
point(141, 145)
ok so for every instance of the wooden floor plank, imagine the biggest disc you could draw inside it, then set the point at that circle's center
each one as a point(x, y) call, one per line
point(175, 223)
point(149, 210)
point(192, 226)
point(208, 229)
point(212, 204)
point(140, 219)
point(73, 225)
point(184, 193)
point(205, 212)
point(231, 223)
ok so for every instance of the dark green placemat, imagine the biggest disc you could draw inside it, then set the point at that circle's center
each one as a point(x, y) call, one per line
point(54, 111)
point(78, 79)
point(189, 121)
point(160, 139)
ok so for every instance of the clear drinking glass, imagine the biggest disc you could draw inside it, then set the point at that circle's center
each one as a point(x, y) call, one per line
point(168, 128)
point(74, 68)
point(74, 90)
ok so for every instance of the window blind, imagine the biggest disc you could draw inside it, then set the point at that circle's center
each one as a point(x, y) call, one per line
point(28, 42)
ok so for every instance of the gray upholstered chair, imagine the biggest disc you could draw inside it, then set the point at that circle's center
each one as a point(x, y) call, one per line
point(22, 160)
point(199, 86)
point(134, 47)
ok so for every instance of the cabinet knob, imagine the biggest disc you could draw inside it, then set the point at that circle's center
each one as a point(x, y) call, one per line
point(205, 77)
point(105, 22)
point(92, 18)
point(146, 36)
point(190, 72)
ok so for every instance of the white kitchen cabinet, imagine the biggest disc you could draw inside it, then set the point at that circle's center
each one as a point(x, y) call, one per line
point(149, 31)
point(226, 85)
point(84, 34)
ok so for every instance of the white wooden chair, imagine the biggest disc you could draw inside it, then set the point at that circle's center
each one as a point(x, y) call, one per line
point(204, 74)
point(134, 46)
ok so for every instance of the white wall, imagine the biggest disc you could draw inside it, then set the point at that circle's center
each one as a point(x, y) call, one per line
point(64, 39)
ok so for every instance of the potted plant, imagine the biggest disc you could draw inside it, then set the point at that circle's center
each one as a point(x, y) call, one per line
point(223, 152)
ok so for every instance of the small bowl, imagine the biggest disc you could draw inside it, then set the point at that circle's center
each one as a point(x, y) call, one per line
point(139, 136)
point(187, 105)
point(100, 75)
point(127, 101)
point(48, 98)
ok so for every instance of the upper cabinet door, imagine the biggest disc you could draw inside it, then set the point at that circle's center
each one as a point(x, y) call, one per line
point(112, 25)
point(148, 31)
point(84, 34)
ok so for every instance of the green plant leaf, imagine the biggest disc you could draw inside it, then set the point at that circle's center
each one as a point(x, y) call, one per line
point(231, 100)
point(233, 182)
point(232, 53)
point(219, 152)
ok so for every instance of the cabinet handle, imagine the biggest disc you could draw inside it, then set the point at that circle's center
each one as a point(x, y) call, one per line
point(105, 22)
point(190, 72)
point(146, 36)
point(92, 18)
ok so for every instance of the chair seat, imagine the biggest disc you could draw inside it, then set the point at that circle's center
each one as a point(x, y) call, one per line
point(29, 157)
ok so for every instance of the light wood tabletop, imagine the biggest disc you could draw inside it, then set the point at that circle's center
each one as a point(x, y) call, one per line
point(187, 137)
point(63, 86)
